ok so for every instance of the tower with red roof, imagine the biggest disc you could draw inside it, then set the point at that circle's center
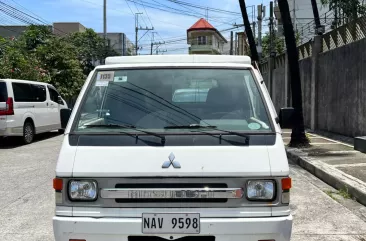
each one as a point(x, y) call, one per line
point(204, 38)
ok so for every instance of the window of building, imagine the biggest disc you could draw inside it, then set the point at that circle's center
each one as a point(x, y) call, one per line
point(202, 40)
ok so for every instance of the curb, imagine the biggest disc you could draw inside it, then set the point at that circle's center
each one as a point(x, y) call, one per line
point(328, 174)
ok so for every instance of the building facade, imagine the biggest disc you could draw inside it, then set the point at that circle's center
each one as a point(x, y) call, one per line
point(203, 38)
point(62, 29)
point(120, 43)
point(14, 31)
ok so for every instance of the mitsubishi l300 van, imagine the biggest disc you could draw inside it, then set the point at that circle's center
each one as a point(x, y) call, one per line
point(173, 148)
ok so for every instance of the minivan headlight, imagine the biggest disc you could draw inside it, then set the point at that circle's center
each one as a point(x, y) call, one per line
point(83, 190)
point(260, 190)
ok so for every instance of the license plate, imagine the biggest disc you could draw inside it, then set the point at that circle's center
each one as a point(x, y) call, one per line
point(172, 223)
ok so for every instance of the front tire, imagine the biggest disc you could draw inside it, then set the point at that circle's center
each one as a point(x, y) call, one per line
point(28, 132)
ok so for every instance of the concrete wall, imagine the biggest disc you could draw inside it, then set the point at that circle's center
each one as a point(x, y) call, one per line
point(342, 90)
point(333, 90)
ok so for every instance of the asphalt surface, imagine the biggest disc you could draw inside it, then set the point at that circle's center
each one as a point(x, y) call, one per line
point(27, 198)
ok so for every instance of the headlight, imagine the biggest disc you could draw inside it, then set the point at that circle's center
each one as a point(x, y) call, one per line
point(261, 190)
point(82, 190)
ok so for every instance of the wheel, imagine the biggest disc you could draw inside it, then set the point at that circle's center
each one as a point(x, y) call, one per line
point(61, 131)
point(28, 132)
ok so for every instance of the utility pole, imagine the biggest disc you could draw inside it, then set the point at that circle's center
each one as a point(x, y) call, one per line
point(261, 15)
point(272, 52)
point(104, 28)
point(318, 28)
point(236, 44)
point(137, 28)
point(298, 137)
point(152, 43)
point(231, 43)
point(248, 31)
point(294, 10)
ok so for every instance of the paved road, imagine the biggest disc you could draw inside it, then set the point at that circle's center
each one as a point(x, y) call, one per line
point(27, 199)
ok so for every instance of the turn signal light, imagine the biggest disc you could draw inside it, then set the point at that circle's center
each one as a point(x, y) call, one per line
point(286, 183)
point(57, 184)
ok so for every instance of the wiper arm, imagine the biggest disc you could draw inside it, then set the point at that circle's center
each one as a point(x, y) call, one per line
point(197, 126)
point(192, 126)
point(119, 126)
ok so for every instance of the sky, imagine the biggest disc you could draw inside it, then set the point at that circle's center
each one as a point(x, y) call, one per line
point(120, 17)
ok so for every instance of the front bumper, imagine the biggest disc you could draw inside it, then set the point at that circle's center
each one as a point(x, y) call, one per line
point(224, 229)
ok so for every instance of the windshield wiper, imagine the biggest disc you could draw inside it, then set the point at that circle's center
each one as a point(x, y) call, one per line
point(191, 126)
point(120, 126)
point(198, 126)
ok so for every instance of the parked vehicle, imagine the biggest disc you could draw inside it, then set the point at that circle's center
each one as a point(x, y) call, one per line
point(28, 108)
point(149, 152)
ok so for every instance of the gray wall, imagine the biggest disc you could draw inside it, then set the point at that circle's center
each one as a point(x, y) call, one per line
point(340, 89)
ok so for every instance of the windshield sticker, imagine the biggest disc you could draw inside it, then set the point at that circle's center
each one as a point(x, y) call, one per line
point(120, 79)
point(254, 126)
point(103, 78)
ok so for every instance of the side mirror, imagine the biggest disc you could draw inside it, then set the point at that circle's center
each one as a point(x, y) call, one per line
point(286, 115)
point(60, 100)
point(65, 116)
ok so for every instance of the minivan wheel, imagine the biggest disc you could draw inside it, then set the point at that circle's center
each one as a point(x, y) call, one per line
point(28, 133)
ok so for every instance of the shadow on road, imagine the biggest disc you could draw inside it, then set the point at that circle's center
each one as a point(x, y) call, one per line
point(13, 142)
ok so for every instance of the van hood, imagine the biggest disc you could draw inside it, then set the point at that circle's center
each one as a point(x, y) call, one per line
point(197, 161)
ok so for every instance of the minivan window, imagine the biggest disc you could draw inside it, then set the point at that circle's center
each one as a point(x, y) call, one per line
point(160, 99)
point(39, 93)
point(29, 92)
point(3, 92)
point(53, 94)
point(22, 92)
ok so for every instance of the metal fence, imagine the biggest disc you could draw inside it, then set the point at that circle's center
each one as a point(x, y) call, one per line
point(350, 32)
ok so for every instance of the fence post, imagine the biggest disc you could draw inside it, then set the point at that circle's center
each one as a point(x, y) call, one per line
point(317, 49)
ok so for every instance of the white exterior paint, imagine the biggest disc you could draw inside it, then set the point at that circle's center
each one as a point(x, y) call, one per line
point(260, 222)
point(44, 115)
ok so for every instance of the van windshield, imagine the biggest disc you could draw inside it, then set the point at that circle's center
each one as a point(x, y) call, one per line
point(173, 100)
point(3, 92)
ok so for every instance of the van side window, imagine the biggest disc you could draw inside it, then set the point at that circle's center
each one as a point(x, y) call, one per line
point(22, 92)
point(39, 93)
point(3, 92)
point(53, 94)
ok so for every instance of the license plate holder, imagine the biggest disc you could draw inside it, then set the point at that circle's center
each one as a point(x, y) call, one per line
point(171, 223)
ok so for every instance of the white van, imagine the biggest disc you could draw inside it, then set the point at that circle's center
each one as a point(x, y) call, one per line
point(28, 108)
point(141, 161)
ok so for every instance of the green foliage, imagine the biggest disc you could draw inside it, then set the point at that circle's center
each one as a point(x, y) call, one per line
point(63, 62)
point(60, 59)
point(350, 8)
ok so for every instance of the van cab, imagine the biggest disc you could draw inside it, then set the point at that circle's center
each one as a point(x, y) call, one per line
point(28, 108)
point(179, 147)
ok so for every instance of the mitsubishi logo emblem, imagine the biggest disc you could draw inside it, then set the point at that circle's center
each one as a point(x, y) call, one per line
point(171, 161)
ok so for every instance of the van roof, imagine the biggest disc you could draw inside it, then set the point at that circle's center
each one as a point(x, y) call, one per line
point(147, 59)
point(25, 81)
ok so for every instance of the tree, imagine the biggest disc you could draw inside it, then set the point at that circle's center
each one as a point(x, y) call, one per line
point(60, 59)
point(350, 9)
point(298, 137)
point(90, 47)
point(15, 64)
point(278, 43)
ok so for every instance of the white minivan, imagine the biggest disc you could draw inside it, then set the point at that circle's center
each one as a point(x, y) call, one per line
point(184, 147)
point(28, 108)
